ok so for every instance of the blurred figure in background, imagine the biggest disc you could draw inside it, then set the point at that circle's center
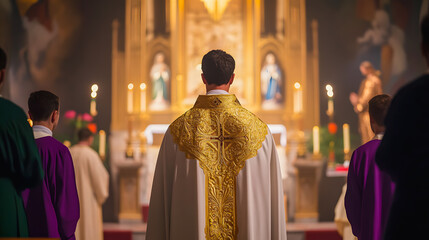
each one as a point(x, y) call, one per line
point(92, 181)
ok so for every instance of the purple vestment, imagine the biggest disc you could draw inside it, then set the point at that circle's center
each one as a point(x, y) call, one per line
point(52, 207)
point(369, 194)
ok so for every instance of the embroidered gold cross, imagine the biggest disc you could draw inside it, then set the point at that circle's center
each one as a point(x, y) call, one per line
point(220, 182)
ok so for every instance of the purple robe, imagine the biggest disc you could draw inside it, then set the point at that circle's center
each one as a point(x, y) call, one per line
point(52, 207)
point(369, 194)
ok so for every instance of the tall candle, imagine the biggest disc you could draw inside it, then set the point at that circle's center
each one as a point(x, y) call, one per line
point(130, 107)
point(330, 93)
point(297, 98)
point(316, 140)
point(93, 108)
point(142, 97)
point(102, 144)
point(331, 106)
point(346, 136)
point(93, 104)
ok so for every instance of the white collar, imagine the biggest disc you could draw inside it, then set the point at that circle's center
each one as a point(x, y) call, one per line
point(217, 92)
point(378, 136)
point(40, 131)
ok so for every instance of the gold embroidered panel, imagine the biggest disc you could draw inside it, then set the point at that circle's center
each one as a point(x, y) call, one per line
point(221, 135)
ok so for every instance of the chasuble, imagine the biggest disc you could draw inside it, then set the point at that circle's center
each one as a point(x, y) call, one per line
point(369, 193)
point(52, 207)
point(20, 168)
point(217, 176)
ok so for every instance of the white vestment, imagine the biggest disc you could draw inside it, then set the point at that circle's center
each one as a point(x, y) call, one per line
point(92, 182)
point(178, 200)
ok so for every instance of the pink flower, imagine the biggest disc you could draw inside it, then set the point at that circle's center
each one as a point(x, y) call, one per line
point(70, 114)
point(86, 117)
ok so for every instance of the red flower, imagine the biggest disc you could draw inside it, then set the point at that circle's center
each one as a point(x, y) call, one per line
point(70, 114)
point(332, 128)
point(86, 117)
point(92, 127)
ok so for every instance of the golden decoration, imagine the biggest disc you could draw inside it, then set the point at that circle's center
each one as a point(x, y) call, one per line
point(221, 135)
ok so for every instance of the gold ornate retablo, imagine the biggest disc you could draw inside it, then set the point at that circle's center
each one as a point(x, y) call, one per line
point(221, 135)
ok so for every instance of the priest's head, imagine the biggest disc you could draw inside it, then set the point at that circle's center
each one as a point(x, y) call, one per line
point(377, 108)
point(424, 28)
point(3, 60)
point(85, 136)
point(43, 108)
point(218, 70)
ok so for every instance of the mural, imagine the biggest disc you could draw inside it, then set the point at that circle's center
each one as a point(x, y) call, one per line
point(44, 38)
point(383, 32)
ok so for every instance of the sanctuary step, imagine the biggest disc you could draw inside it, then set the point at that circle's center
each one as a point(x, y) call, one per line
point(295, 231)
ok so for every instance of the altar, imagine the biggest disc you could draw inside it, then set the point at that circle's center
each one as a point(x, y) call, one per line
point(156, 67)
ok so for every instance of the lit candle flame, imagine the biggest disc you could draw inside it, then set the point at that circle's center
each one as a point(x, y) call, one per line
point(297, 85)
point(94, 87)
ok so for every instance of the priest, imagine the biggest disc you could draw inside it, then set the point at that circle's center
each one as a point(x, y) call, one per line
point(92, 182)
point(369, 190)
point(52, 207)
point(20, 165)
point(217, 174)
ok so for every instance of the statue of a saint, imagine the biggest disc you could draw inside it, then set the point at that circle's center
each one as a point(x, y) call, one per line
point(369, 87)
point(271, 82)
point(160, 77)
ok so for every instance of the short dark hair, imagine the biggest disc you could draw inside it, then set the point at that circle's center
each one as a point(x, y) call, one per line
point(3, 59)
point(84, 133)
point(378, 106)
point(218, 67)
point(41, 104)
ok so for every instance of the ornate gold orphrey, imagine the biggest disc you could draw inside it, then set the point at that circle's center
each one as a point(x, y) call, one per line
point(221, 135)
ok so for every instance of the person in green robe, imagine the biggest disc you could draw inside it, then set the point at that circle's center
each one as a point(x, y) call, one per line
point(20, 165)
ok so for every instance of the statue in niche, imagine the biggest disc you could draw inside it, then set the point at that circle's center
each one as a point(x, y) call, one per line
point(271, 82)
point(160, 77)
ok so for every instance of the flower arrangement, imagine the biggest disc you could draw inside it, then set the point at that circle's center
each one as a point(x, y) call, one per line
point(77, 121)
point(328, 134)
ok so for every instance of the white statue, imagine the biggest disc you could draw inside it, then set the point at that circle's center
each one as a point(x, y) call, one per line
point(160, 77)
point(271, 82)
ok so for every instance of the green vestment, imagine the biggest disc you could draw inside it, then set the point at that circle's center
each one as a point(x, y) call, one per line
point(20, 168)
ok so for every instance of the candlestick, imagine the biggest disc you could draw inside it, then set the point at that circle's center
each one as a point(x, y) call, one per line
point(331, 106)
point(143, 97)
point(297, 98)
point(102, 144)
point(93, 108)
point(316, 140)
point(346, 139)
point(130, 107)
point(93, 104)
point(330, 93)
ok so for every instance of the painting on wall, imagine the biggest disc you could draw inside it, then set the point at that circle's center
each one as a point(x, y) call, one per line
point(44, 38)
